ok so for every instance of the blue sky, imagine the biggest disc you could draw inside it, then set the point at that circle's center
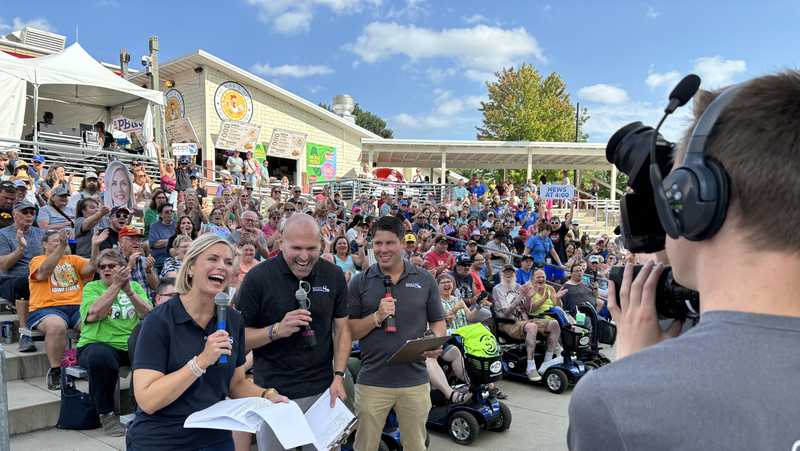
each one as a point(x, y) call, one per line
point(421, 64)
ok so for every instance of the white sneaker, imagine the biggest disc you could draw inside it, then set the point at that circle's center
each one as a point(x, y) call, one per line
point(534, 375)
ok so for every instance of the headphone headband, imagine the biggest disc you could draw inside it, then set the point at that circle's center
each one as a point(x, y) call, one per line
point(705, 125)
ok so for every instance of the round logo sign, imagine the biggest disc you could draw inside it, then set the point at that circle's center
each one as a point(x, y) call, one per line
point(174, 107)
point(233, 102)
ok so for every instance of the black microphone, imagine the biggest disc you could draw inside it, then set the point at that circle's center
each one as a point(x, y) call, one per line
point(390, 325)
point(305, 303)
point(221, 300)
point(683, 92)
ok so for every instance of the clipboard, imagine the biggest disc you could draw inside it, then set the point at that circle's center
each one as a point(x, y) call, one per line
point(413, 349)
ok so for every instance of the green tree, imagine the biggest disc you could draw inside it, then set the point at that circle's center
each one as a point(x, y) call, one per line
point(368, 120)
point(523, 106)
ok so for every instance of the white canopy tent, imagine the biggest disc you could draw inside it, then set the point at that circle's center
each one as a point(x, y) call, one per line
point(72, 84)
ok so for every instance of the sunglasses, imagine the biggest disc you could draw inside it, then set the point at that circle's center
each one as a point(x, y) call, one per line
point(122, 215)
point(28, 211)
point(108, 266)
point(290, 210)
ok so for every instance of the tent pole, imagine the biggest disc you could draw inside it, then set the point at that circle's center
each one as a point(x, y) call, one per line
point(35, 119)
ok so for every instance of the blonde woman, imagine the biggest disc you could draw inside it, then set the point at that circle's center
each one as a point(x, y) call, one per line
point(176, 368)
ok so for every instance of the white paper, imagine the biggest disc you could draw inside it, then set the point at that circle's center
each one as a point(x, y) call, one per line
point(327, 423)
point(247, 414)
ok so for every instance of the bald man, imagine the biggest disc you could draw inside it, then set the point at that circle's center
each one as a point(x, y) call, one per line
point(277, 329)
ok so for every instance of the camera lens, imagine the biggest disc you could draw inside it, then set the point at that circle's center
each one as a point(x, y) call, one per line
point(673, 301)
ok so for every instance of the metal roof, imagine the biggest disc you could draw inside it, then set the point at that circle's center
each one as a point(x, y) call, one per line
point(202, 58)
point(484, 154)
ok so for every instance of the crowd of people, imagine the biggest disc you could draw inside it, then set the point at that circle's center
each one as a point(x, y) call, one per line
point(71, 260)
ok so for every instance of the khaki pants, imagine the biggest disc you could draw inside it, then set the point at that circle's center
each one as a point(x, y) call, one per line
point(411, 404)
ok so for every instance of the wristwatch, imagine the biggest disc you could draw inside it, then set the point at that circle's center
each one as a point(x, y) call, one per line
point(340, 373)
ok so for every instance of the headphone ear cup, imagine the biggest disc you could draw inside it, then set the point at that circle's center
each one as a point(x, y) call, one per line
point(722, 182)
point(666, 216)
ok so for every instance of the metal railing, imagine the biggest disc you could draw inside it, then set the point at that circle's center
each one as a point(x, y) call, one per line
point(352, 188)
point(78, 159)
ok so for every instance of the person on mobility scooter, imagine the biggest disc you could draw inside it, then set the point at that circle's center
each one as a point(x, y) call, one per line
point(481, 358)
point(531, 356)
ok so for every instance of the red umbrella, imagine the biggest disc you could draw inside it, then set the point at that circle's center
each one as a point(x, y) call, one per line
point(388, 174)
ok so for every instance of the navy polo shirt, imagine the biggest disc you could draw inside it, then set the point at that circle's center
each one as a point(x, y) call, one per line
point(169, 338)
point(265, 297)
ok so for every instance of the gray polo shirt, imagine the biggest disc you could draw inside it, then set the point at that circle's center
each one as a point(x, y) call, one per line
point(729, 383)
point(417, 305)
point(8, 244)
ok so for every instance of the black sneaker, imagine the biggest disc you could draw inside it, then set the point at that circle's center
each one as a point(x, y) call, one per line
point(26, 344)
point(54, 378)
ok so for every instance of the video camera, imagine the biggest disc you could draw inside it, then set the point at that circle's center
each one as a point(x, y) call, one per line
point(645, 157)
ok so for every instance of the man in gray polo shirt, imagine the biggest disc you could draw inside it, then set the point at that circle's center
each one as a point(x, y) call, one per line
point(416, 306)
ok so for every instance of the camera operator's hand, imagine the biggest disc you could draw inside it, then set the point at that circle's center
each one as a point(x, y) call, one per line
point(637, 321)
point(292, 322)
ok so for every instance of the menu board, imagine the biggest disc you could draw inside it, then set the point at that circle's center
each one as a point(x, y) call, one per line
point(286, 144)
point(181, 131)
point(235, 135)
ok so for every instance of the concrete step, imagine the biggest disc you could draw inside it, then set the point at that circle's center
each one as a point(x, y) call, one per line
point(31, 406)
point(25, 365)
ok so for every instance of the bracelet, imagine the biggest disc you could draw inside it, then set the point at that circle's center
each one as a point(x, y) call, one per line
point(269, 331)
point(195, 368)
point(375, 317)
point(275, 328)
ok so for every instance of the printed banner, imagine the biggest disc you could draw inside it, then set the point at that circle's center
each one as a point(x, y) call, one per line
point(184, 149)
point(181, 131)
point(286, 144)
point(260, 153)
point(119, 186)
point(123, 124)
point(239, 136)
point(557, 192)
point(320, 163)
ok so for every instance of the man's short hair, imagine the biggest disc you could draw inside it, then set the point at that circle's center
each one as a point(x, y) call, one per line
point(755, 140)
point(163, 283)
point(390, 224)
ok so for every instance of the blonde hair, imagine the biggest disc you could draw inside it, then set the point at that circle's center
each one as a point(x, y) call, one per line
point(183, 283)
point(179, 240)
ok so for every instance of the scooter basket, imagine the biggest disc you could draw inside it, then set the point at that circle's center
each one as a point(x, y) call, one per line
point(483, 370)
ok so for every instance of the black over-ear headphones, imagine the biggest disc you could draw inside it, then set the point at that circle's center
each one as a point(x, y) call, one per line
point(692, 201)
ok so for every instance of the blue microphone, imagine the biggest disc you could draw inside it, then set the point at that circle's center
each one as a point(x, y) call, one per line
point(221, 300)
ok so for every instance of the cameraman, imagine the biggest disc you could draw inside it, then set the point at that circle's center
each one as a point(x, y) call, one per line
point(730, 383)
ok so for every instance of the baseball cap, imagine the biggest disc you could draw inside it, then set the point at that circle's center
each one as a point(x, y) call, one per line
point(119, 208)
point(20, 184)
point(596, 259)
point(526, 257)
point(441, 239)
point(37, 159)
point(464, 260)
point(508, 267)
point(20, 163)
point(60, 190)
point(403, 202)
point(410, 238)
point(471, 242)
point(130, 231)
point(23, 205)
point(90, 175)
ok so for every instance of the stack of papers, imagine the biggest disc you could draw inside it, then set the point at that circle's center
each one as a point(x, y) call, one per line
point(321, 425)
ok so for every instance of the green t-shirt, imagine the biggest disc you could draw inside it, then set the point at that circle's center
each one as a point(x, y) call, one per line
point(114, 329)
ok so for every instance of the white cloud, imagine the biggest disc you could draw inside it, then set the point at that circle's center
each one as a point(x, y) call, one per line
point(295, 16)
point(411, 10)
point(437, 75)
point(667, 79)
point(448, 112)
point(479, 51)
point(602, 93)
point(107, 4)
point(604, 120)
point(17, 23)
point(475, 19)
point(717, 72)
point(315, 89)
point(652, 13)
point(291, 70)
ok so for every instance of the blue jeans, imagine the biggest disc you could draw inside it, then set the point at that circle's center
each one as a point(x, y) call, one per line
point(560, 314)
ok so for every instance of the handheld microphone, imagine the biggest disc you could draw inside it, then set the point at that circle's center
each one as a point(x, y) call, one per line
point(390, 325)
point(305, 303)
point(221, 300)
